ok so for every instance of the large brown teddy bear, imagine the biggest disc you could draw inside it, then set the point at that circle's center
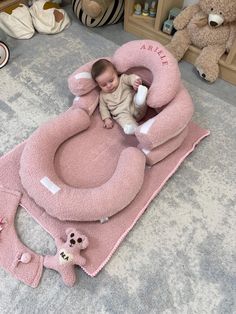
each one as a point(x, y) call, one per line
point(209, 25)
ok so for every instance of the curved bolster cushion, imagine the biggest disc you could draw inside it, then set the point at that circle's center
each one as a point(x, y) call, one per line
point(160, 152)
point(87, 102)
point(70, 203)
point(80, 82)
point(151, 55)
point(168, 123)
point(166, 93)
point(159, 70)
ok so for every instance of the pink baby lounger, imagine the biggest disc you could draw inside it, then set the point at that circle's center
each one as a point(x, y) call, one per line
point(77, 170)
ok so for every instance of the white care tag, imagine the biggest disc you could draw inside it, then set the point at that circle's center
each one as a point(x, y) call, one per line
point(146, 126)
point(103, 220)
point(145, 151)
point(52, 187)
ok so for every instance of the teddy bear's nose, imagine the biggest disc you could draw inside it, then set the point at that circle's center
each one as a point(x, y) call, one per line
point(72, 241)
point(212, 23)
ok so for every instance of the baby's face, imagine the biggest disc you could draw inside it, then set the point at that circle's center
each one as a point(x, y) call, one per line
point(108, 81)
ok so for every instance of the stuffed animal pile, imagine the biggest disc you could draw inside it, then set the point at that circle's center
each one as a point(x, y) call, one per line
point(209, 25)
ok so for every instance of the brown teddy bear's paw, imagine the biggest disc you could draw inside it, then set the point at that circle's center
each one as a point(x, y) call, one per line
point(179, 24)
point(208, 76)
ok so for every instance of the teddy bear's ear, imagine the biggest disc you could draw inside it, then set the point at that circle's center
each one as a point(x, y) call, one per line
point(85, 242)
point(69, 230)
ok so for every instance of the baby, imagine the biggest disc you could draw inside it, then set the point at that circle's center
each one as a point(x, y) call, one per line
point(117, 99)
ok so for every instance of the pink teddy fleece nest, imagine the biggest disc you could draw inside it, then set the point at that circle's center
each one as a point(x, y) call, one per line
point(73, 155)
point(41, 172)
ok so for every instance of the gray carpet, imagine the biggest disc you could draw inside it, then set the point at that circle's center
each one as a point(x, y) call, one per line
point(180, 257)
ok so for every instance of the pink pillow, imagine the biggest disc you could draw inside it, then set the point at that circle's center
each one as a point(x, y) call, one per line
point(154, 57)
point(80, 82)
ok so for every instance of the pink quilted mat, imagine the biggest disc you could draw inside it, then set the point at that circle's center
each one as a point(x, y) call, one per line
point(84, 159)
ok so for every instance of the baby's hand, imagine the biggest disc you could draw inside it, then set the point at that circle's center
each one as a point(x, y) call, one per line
point(108, 123)
point(136, 84)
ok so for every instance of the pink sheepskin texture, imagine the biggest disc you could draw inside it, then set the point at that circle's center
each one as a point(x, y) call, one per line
point(160, 152)
point(71, 203)
point(157, 137)
point(160, 72)
point(153, 56)
point(15, 257)
point(87, 102)
point(168, 123)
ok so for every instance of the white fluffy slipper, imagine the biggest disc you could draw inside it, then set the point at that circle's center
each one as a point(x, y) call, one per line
point(48, 17)
point(17, 22)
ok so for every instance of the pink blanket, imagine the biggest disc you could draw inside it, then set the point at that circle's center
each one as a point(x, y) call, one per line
point(103, 238)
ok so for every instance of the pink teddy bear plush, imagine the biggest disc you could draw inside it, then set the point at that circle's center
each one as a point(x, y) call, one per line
point(68, 255)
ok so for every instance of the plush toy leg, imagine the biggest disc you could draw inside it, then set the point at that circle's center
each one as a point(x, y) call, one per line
point(207, 62)
point(69, 276)
point(49, 262)
point(179, 44)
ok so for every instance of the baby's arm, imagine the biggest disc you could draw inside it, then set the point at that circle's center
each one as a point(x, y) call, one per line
point(108, 123)
point(105, 114)
point(136, 84)
point(132, 80)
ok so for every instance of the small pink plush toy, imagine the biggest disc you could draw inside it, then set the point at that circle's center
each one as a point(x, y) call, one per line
point(68, 255)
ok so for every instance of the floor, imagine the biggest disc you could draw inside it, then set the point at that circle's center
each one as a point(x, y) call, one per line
point(220, 88)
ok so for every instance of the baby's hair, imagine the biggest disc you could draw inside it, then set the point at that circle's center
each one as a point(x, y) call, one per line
point(100, 66)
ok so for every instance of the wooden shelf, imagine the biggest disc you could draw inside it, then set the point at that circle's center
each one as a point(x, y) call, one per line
point(142, 21)
point(151, 28)
point(7, 3)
